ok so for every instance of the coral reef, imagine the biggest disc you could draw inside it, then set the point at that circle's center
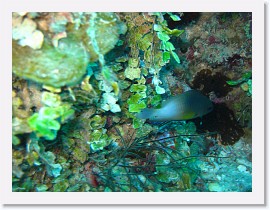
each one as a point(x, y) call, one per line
point(81, 80)
point(84, 42)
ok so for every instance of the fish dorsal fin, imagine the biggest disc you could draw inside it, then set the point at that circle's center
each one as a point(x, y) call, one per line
point(167, 101)
point(171, 98)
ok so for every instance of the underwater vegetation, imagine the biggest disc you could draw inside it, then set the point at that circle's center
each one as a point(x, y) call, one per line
point(131, 102)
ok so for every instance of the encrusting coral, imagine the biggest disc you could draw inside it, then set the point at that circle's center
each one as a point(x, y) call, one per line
point(83, 87)
point(84, 42)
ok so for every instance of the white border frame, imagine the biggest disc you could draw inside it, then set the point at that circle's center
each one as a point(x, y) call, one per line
point(255, 197)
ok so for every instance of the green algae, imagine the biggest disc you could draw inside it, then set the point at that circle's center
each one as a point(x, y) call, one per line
point(97, 122)
point(61, 186)
point(156, 100)
point(137, 107)
point(48, 120)
point(137, 88)
point(44, 127)
point(108, 102)
point(132, 73)
point(134, 99)
point(79, 155)
point(245, 77)
point(98, 140)
point(136, 102)
point(137, 123)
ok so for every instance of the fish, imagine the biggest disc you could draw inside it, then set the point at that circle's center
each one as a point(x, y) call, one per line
point(186, 106)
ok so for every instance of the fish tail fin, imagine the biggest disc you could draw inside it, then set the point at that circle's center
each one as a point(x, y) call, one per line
point(145, 113)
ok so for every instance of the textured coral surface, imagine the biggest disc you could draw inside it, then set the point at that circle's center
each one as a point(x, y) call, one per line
point(81, 81)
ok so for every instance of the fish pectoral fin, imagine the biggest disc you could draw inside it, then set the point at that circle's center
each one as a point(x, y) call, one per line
point(189, 115)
